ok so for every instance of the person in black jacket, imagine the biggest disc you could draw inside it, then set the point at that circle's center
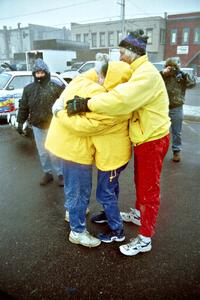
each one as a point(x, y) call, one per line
point(176, 83)
point(36, 106)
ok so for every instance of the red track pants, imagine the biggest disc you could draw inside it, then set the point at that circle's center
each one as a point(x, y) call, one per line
point(148, 160)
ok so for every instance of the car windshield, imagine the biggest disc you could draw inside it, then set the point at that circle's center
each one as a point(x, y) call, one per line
point(159, 66)
point(4, 78)
point(76, 66)
point(57, 80)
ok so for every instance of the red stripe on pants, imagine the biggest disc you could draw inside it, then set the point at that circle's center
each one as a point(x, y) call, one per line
point(148, 160)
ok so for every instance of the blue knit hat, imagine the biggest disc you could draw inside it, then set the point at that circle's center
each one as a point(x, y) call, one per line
point(135, 41)
point(40, 65)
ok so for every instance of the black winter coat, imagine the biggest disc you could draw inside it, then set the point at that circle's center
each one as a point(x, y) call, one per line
point(37, 101)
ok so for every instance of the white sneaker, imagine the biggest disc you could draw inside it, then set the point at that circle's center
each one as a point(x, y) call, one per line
point(67, 214)
point(132, 216)
point(84, 238)
point(139, 244)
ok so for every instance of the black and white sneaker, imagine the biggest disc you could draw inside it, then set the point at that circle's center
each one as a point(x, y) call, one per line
point(132, 216)
point(137, 245)
point(99, 218)
point(112, 236)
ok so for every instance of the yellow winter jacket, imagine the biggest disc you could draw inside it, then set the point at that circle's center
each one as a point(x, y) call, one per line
point(145, 95)
point(92, 137)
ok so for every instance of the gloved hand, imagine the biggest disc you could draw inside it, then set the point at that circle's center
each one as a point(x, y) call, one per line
point(77, 105)
point(58, 105)
point(20, 128)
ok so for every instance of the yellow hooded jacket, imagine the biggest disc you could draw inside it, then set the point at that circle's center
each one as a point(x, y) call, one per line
point(145, 95)
point(92, 137)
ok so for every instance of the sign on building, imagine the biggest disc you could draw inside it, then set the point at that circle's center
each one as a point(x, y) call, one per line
point(182, 49)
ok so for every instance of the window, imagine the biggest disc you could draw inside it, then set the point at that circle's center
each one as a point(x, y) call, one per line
point(102, 39)
point(86, 38)
point(162, 36)
point(197, 35)
point(78, 38)
point(19, 82)
point(173, 36)
point(4, 78)
point(57, 80)
point(185, 36)
point(119, 37)
point(94, 40)
point(149, 33)
point(110, 38)
point(87, 67)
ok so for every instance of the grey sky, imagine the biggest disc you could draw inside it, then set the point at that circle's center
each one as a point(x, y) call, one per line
point(61, 13)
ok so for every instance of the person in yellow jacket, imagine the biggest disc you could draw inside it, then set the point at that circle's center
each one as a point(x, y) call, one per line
point(91, 138)
point(146, 97)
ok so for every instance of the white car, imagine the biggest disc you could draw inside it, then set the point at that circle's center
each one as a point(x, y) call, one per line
point(69, 75)
point(11, 88)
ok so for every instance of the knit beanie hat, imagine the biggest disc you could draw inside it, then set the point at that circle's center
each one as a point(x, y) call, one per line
point(40, 65)
point(135, 41)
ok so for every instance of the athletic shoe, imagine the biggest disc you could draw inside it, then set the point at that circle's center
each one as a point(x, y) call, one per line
point(99, 218)
point(60, 180)
point(137, 245)
point(132, 216)
point(176, 156)
point(67, 214)
point(46, 179)
point(112, 236)
point(84, 238)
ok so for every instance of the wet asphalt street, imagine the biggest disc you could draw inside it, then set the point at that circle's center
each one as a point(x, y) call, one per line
point(38, 262)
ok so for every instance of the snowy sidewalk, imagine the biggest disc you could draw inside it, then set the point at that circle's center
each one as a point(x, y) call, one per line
point(191, 113)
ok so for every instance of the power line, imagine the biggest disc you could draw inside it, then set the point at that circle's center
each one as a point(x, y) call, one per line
point(144, 12)
point(48, 10)
point(89, 20)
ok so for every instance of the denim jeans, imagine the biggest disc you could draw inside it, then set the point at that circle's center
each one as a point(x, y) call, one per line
point(48, 161)
point(176, 115)
point(78, 187)
point(107, 195)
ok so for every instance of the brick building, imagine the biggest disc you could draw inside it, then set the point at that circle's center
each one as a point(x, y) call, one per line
point(183, 39)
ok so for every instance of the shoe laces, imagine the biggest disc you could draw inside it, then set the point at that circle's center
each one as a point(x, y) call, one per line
point(89, 236)
point(134, 214)
point(134, 241)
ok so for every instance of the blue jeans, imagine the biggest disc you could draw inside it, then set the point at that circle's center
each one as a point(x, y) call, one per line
point(78, 187)
point(176, 115)
point(48, 161)
point(107, 195)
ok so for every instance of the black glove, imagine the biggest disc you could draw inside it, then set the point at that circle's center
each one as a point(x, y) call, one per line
point(77, 105)
point(20, 128)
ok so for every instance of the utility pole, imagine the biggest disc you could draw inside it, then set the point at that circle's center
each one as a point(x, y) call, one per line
point(122, 17)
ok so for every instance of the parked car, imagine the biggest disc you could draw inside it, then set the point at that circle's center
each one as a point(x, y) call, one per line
point(11, 89)
point(159, 65)
point(76, 66)
point(69, 75)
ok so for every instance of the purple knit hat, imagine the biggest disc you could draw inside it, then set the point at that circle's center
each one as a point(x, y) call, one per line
point(135, 41)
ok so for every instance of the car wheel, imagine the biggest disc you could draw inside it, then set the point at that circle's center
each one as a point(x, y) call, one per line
point(13, 121)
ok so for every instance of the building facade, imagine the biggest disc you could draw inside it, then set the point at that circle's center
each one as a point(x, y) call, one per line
point(106, 35)
point(183, 39)
point(20, 40)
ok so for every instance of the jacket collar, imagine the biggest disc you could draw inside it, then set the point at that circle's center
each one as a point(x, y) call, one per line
point(139, 61)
